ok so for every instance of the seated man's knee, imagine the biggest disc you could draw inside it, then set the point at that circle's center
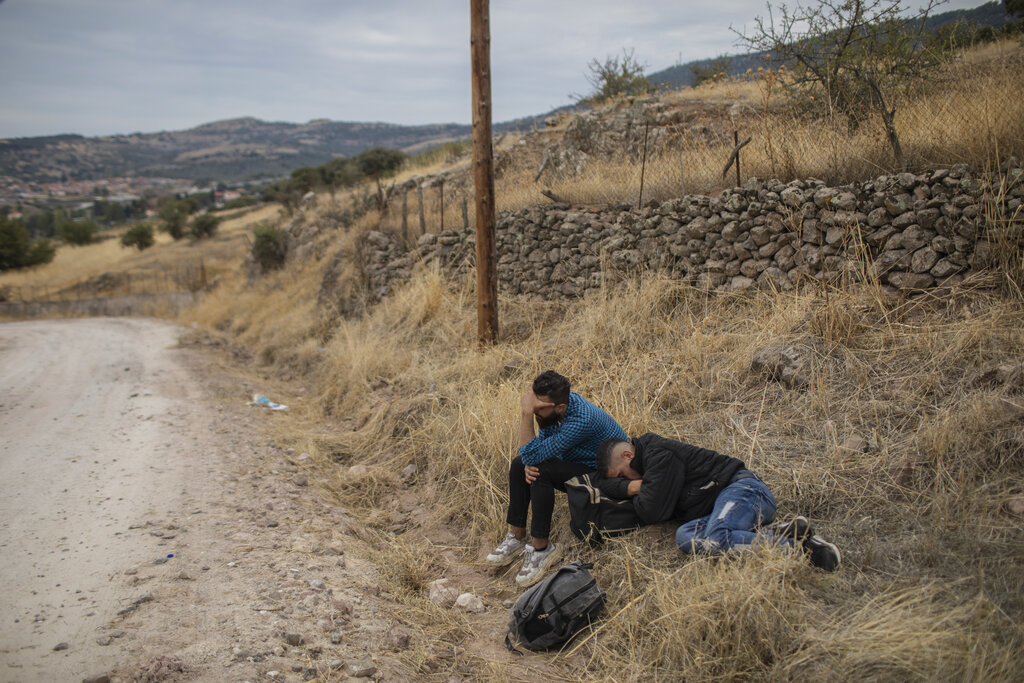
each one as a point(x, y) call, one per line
point(516, 467)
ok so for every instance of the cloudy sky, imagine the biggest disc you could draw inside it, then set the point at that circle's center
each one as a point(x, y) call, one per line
point(100, 67)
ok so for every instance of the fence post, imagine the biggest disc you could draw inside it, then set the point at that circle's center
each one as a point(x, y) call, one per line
point(405, 215)
point(736, 142)
point(465, 212)
point(423, 217)
point(643, 167)
point(682, 172)
point(440, 195)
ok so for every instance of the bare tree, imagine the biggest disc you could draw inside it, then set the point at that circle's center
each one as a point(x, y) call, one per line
point(854, 57)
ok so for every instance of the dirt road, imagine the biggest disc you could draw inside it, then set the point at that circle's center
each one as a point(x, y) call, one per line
point(148, 530)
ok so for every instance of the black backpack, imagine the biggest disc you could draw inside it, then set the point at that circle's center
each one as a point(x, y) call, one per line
point(551, 612)
point(594, 515)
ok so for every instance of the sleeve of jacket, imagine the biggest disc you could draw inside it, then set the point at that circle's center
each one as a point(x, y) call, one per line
point(663, 479)
point(615, 487)
point(547, 445)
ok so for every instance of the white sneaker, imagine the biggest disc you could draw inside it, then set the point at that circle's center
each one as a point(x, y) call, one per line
point(506, 551)
point(536, 563)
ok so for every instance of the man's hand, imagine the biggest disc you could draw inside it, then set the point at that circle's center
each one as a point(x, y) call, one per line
point(634, 487)
point(530, 403)
point(531, 473)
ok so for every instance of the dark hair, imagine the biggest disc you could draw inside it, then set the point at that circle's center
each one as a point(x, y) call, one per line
point(549, 383)
point(604, 454)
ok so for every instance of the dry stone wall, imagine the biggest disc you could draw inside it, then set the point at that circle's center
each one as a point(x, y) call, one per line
point(914, 231)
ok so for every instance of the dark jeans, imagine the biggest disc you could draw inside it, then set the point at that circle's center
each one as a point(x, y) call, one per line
point(540, 495)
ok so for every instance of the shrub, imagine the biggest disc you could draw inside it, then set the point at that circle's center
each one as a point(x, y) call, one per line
point(241, 203)
point(615, 77)
point(269, 247)
point(41, 251)
point(78, 232)
point(139, 236)
point(204, 225)
point(18, 250)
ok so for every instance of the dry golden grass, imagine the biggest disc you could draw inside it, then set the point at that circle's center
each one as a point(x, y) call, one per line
point(932, 583)
point(163, 267)
point(971, 113)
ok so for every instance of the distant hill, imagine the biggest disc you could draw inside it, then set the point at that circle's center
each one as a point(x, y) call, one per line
point(236, 149)
point(990, 14)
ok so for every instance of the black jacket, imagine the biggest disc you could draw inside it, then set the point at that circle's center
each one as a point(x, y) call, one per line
point(680, 481)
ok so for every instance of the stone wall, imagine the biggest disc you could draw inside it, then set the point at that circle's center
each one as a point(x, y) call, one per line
point(914, 231)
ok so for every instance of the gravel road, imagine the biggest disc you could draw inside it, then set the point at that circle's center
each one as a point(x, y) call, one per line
point(148, 529)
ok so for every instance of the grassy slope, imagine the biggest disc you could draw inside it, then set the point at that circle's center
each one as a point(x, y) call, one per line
point(929, 517)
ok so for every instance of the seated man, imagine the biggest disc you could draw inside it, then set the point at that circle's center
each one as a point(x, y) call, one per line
point(571, 429)
point(722, 503)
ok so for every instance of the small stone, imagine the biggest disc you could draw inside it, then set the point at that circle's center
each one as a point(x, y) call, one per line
point(508, 604)
point(442, 593)
point(408, 474)
point(855, 443)
point(335, 664)
point(398, 638)
point(1016, 505)
point(304, 457)
point(361, 668)
point(294, 639)
point(300, 480)
point(343, 606)
point(160, 560)
point(131, 572)
point(317, 584)
point(239, 654)
point(102, 678)
point(272, 523)
point(103, 641)
point(325, 625)
point(336, 638)
point(60, 646)
point(470, 603)
point(296, 668)
point(358, 470)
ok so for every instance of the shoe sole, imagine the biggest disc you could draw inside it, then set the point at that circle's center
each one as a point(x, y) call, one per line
point(555, 554)
point(509, 559)
point(822, 543)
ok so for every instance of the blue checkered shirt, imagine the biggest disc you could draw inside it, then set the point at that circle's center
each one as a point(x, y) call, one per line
point(575, 437)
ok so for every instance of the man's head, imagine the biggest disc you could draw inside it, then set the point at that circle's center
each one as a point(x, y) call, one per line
point(553, 388)
point(615, 459)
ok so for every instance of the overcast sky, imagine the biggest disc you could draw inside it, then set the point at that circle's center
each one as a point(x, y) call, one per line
point(100, 67)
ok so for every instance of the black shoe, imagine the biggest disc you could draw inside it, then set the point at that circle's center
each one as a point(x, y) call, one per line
point(824, 555)
point(797, 530)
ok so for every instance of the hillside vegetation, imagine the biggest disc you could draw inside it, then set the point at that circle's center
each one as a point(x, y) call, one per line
point(906, 447)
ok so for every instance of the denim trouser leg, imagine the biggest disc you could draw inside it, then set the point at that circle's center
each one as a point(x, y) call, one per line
point(739, 509)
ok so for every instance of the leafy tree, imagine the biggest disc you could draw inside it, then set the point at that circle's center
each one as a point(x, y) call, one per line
point(378, 163)
point(139, 236)
point(269, 246)
point(853, 57)
point(18, 250)
point(615, 76)
point(305, 178)
point(41, 251)
point(204, 225)
point(710, 71)
point(14, 243)
point(173, 216)
point(338, 173)
point(1014, 7)
point(78, 232)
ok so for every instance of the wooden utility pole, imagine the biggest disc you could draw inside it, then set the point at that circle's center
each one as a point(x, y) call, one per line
point(483, 173)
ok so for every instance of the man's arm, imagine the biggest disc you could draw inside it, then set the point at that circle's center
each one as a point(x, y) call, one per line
point(658, 492)
point(573, 431)
point(528, 404)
